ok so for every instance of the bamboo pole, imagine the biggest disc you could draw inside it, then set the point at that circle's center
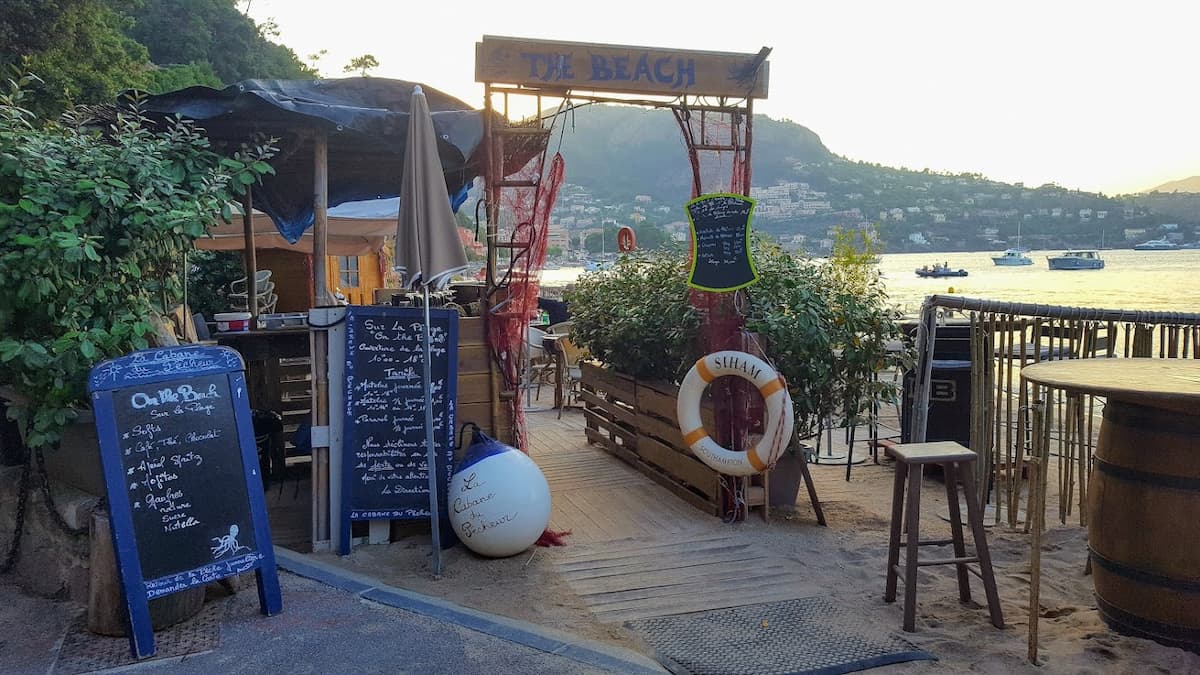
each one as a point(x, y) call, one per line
point(1082, 313)
point(1037, 514)
point(321, 295)
point(926, 341)
point(1014, 502)
point(249, 255)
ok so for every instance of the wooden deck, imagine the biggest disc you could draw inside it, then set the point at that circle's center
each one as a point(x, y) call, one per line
point(639, 551)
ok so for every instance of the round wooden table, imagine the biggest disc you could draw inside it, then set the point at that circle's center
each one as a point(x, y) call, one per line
point(1144, 496)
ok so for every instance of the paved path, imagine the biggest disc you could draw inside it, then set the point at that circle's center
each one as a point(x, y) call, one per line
point(332, 622)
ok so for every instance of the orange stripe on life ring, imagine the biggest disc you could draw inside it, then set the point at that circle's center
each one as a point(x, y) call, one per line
point(703, 371)
point(755, 461)
point(694, 436)
point(771, 387)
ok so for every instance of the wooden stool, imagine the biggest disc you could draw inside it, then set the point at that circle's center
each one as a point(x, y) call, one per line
point(912, 458)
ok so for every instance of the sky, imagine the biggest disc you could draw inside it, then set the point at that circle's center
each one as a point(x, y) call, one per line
point(1098, 96)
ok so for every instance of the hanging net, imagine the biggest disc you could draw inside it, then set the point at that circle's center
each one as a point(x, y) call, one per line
point(718, 149)
point(525, 218)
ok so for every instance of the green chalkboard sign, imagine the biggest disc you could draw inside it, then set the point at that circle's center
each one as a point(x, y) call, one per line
point(721, 242)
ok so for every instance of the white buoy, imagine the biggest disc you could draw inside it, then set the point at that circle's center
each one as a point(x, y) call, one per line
point(499, 501)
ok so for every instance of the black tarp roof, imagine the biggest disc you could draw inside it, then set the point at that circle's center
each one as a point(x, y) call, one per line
point(365, 120)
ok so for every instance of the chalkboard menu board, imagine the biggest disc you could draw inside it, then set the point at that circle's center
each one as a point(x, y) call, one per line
point(384, 459)
point(721, 242)
point(181, 471)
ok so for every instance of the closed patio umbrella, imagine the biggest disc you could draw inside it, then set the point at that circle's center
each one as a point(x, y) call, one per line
point(428, 253)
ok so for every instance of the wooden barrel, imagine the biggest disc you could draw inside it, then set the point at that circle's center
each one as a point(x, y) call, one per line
point(1144, 523)
point(106, 613)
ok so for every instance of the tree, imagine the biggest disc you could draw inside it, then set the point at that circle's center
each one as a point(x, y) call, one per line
point(217, 33)
point(78, 49)
point(362, 64)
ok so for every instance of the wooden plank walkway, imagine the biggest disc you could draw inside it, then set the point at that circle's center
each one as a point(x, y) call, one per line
point(629, 579)
point(638, 551)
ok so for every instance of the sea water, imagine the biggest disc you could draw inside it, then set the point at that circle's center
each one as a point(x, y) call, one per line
point(1131, 280)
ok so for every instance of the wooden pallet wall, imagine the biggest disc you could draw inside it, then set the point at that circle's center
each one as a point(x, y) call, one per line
point(635, 421)
point(476, 386)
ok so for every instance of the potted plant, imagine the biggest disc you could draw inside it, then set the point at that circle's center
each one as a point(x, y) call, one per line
point(824, 324)
point(635, 316)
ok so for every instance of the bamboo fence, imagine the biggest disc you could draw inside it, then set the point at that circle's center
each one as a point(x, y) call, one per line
point(1022, 431)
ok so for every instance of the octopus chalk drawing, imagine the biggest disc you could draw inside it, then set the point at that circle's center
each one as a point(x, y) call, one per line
point(228, 544)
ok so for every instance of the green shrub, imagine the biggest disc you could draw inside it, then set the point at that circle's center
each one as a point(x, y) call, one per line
point(93, 227)
point(825, 324)
point(635, 316)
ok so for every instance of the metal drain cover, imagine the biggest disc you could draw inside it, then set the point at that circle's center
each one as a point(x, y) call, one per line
point(84, 652)
point(809, 635)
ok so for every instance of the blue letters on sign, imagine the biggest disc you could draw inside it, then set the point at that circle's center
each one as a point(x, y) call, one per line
point(677, 73)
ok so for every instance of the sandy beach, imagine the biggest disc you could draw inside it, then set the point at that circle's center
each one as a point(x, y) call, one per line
point(843, 562)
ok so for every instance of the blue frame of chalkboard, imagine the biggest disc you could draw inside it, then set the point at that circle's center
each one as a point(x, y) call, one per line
point(414, 318)
point(158, 366)
point(696, 268)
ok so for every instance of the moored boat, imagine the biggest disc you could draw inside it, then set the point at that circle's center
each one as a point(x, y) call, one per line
point(1076, 259)
point(1162, 244)
point(1012, 257)
point(938, 270)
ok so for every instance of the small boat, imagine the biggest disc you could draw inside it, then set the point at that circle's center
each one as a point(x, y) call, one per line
point(1076, 259)
point(1157, 245)
point(1012, 257)
point(597, 265)
point(939, 270)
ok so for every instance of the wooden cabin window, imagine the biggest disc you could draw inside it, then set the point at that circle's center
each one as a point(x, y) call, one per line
point(348, 271)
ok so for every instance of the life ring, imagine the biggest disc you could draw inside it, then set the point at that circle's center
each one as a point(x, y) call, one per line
point(779, 413)
point(626, 239)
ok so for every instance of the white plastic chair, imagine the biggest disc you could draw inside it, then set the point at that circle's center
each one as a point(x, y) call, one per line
point(538, 364)
point(237, 287)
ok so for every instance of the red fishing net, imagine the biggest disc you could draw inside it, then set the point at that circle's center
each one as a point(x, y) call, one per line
point(525, 217)
point(718, 149)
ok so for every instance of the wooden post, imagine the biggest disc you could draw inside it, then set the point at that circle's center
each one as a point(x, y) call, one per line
point(249, 256)
point(1037, 516)
point(322, 297)
point(926, 344)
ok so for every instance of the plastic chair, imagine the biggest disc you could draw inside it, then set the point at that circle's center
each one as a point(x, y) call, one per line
point(538, 364)
point(237, 287)
point(560, 328)
point(571, 355)
point(266, 304)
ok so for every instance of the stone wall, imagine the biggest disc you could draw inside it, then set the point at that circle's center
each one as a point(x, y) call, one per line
point(52, 562)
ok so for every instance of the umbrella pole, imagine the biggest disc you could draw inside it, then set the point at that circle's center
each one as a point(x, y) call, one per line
point(430, 449)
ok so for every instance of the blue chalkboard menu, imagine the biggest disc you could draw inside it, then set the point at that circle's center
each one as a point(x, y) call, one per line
point(384, 460)
point(182, 475)
point(720, 226)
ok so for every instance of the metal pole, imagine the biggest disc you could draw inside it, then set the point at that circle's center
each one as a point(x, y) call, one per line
point(430, 449)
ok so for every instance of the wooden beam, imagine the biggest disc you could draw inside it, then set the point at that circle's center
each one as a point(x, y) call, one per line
point(322, 297)
point(605, 67)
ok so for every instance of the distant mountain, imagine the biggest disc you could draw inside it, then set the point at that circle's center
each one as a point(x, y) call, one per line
point(621, 151)
point(614, 154)
point(1186, 185)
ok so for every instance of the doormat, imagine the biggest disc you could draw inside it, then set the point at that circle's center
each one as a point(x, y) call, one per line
point(84, 652)
point(809, 635)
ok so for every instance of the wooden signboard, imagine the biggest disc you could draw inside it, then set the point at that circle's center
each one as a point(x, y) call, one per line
point(384, 466)
point(181, 470)
point(720, 226)
point(600, 67)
